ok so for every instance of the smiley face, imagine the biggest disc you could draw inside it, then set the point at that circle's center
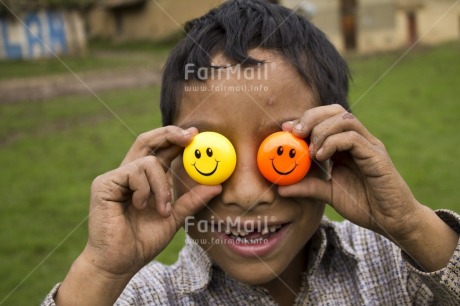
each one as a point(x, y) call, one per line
point(283, 159)
point(210, 158)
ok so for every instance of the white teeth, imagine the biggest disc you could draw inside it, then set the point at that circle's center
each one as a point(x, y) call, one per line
point(236, 232)
point(244, 240)
point(243, 233)
point(241, 240)
point(265, 231)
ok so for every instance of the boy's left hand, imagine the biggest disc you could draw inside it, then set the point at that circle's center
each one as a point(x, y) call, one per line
point(365, 187)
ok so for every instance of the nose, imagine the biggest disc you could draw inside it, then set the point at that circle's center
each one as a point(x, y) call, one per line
point(247, 188)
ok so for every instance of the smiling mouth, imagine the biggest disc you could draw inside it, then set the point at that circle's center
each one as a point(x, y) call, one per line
point(252, 242)
point(283, 173)
point(209, 173)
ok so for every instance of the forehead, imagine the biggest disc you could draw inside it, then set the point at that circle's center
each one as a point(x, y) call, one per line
point(245, 98)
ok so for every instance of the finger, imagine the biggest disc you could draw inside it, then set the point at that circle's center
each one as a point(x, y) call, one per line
point(106, 188)
point(339, 123)
point(142, 178)
point(356, 144)
point(159, 185)
point(310, 187)
point(140, 187)
point(193, 201)
point(310, 118)
point(166, 143)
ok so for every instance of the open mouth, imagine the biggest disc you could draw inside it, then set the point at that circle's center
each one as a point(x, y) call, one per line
point(283, 173)
point(208, 173)
point(250, 242)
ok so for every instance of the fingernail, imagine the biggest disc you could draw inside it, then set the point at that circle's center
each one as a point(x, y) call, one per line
point(168, 208)
point(144, 205)
point(185, 132)
point(298, 127)
point(320, 151)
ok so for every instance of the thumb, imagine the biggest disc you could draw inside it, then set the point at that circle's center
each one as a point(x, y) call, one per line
point(310, 187)
point(193, 201)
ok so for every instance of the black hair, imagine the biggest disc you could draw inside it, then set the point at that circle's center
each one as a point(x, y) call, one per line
point(240, 25)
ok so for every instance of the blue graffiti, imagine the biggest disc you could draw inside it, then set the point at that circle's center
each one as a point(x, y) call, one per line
point(57, 32)
point(34, 34)
point(12, 50)
point(42, 35)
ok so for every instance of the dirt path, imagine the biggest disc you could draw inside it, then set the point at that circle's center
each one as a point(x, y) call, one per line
point(45, 87)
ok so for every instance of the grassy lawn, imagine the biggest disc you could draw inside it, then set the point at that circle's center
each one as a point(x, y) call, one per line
point(102, 56)
point(51, 151)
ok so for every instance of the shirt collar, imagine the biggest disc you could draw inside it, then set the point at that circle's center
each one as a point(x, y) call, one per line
point(327, 240)
point(195, 267)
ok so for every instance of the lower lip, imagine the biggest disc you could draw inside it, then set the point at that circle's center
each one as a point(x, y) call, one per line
point(263, 248)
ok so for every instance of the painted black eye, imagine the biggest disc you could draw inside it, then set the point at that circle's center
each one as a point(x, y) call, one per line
point(197, 154)
point(292, 153)
point(280, 151)
point(209, 152)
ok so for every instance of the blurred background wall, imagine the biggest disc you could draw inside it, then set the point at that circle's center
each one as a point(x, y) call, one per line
point(43, 33)
point(361, 26)
point(127, 20)
point(352, 25)
point(379, 25)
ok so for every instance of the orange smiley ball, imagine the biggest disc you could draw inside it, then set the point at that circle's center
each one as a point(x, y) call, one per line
point(283, 158)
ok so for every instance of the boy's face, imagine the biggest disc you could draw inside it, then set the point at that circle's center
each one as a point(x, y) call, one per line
point(246, 117)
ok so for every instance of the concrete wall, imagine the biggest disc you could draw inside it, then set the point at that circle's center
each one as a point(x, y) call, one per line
point(382, 25)
point(42, 34)
point(152, 20)
point(447, 25)
point(376, 24)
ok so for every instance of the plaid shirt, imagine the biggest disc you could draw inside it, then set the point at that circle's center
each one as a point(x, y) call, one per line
point(347, 265)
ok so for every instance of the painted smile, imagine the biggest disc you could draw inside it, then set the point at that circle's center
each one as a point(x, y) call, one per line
point(209, 173)
point(280, 172)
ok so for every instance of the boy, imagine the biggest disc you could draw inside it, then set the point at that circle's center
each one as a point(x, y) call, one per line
point(391, 251)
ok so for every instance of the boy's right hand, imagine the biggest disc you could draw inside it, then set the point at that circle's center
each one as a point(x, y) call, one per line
point(131, 218)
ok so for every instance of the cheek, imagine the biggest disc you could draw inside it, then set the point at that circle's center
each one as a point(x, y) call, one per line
point(181, 181)
point(311, 216)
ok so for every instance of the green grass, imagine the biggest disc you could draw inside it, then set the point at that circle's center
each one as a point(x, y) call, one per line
point(148, 46)
point(51, 151)
point(101, 56)
point(414, 111)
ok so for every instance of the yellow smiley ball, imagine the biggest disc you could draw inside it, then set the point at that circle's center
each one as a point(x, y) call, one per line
point(210, 158)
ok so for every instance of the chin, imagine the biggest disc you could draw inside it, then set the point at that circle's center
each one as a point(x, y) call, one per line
point(254, 274)
point(255, 270)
